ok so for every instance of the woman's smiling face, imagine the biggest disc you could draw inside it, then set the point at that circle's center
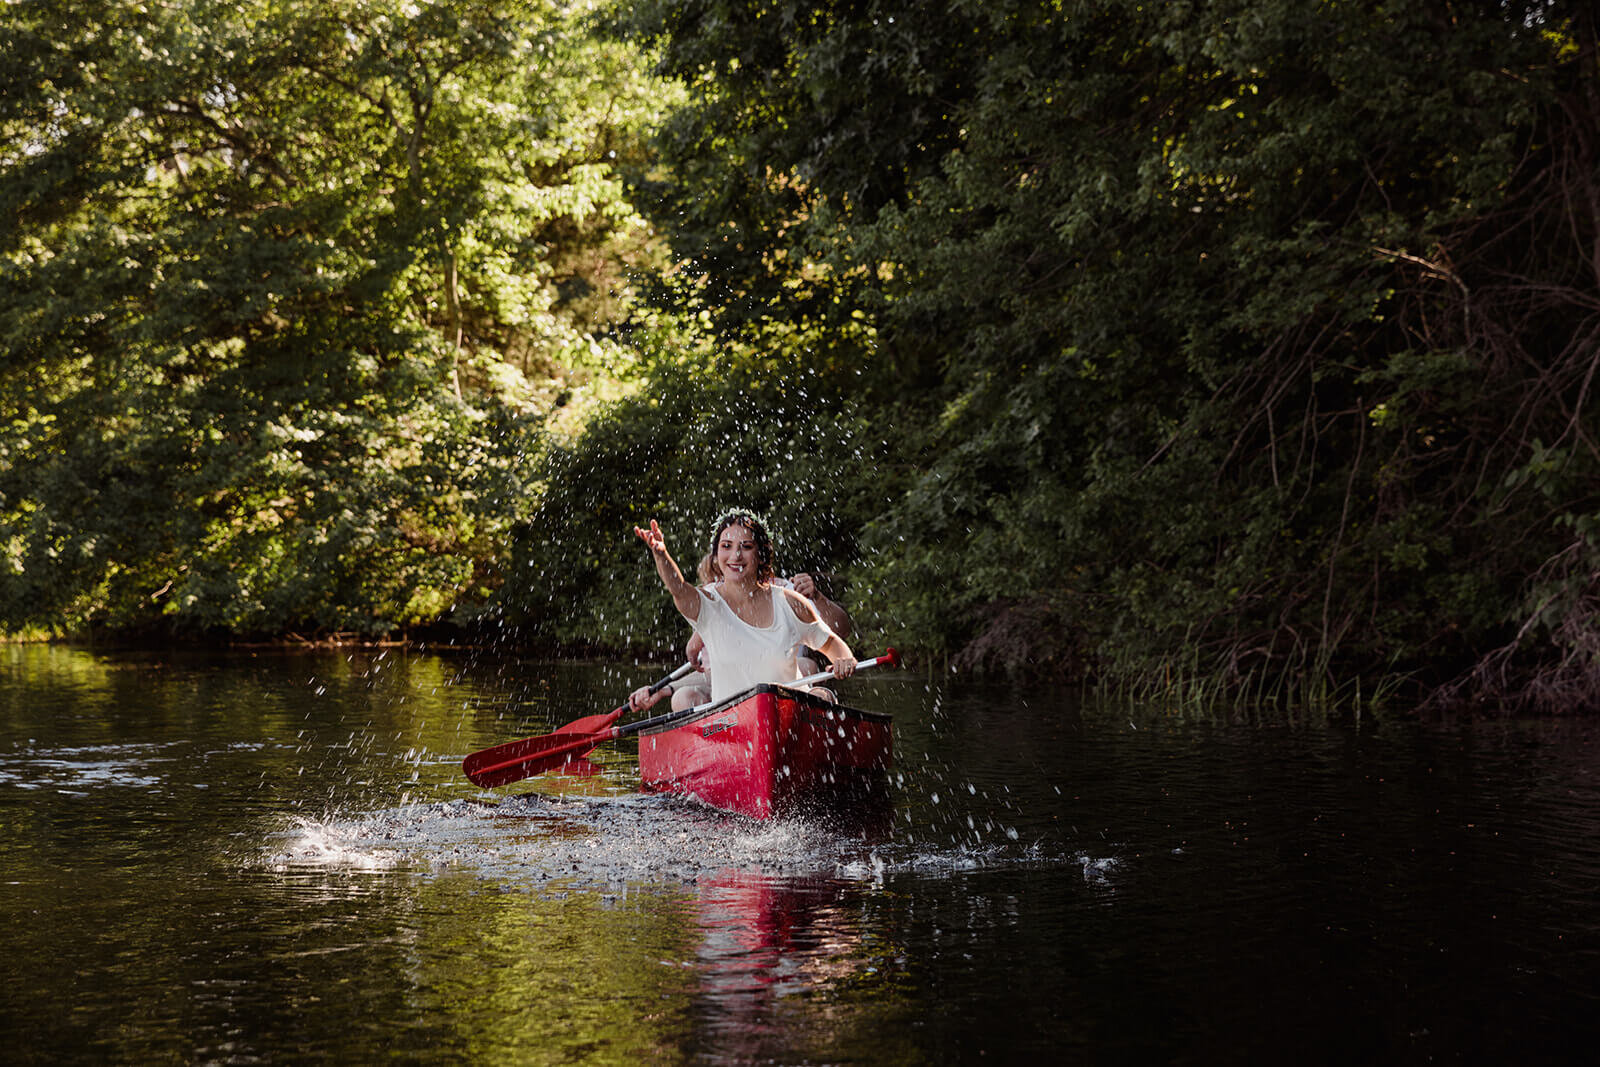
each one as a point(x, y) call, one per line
point(736, 553)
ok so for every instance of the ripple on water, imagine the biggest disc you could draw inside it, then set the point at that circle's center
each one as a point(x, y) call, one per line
point(82, 770)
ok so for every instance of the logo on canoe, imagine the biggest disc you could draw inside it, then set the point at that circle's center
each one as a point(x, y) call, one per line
point(716, 727)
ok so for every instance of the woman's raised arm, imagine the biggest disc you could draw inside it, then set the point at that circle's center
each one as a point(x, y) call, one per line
point(684, 595)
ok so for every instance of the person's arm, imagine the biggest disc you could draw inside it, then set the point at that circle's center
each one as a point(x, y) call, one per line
point(844, 661)
point(831, 611)
point(683, 594)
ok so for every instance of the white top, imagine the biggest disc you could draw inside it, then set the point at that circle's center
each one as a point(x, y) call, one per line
point(746, 655)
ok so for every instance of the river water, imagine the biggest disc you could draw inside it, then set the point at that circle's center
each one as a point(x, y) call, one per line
point(271, 857)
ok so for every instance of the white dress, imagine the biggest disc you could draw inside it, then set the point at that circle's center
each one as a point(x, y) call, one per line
point(743, 655)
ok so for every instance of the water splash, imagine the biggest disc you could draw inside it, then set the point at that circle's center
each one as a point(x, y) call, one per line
point(610, 843)
point(332, 844)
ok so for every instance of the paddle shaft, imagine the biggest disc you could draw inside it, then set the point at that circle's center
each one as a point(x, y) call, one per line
point(890, 657)
point(499, 765)
point(668, 679)
point(590, 723)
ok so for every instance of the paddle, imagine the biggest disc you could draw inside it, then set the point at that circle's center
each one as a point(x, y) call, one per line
point(590, 723)
point(516, 760)
point(584, 727)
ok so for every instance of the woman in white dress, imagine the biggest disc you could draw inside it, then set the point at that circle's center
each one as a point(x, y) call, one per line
point(696, 687)
point(753, 629)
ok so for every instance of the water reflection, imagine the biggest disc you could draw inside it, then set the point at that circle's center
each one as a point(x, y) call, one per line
point(270, 857)
point(767, 943)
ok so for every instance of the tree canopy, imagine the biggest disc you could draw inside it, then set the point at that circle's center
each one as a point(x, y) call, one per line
point(1203, 346)
point(287, 289)
point(1250, 344)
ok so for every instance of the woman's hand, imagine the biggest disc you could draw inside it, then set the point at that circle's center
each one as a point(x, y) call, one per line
point(652, 537)
point(844, 666)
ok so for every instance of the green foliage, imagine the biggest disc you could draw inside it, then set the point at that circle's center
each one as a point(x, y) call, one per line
point(696, 440)
point(287, 290)
point(1227, 326)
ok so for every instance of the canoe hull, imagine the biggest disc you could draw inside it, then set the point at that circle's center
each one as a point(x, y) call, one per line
point(769, 751)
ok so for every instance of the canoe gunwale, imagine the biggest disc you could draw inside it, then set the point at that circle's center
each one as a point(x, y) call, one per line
point(800, 696)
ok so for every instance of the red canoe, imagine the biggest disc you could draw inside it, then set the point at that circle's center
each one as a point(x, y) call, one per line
point(768, 751)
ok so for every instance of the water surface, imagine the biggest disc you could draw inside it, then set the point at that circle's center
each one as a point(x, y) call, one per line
point(273, 857)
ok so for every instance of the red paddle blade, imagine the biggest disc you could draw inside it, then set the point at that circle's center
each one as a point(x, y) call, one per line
point(516, 760)
point(580, 767)
point(592, 724)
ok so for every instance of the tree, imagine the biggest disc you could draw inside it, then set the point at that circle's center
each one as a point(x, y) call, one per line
point(1240, 331)
point(287, 287)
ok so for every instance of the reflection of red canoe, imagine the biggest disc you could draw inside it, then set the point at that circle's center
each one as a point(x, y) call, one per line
point(767, 751)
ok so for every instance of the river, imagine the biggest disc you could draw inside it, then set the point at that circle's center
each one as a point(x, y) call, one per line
point(262, 856)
